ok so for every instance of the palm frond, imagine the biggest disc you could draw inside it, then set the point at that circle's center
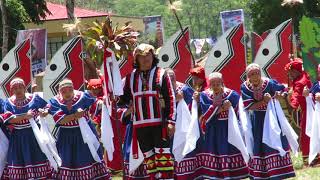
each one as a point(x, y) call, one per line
point(104, 34)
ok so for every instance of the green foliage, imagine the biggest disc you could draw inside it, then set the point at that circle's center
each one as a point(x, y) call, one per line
point(267, 14)
point(35, 9)
point(309, 33)
point(16, 16)
point(310, 44)
point(20, 11)
point(202, 16)
point(311, 8)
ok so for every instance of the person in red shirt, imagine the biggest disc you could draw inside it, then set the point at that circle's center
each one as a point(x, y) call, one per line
point(301, 83)
point(95, 86)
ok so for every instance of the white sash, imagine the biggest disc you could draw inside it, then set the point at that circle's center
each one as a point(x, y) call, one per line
point(310, 109)
point(49, 140)
point(315, 134)
point(180, 135)
point(247, 127)
point(107, 132)
point(44, 143)
point(114, 74)
point(89, 138)
point(286, 128)
point(271, 130)
point(193, 133)
point(135, 163)
point(234, 134)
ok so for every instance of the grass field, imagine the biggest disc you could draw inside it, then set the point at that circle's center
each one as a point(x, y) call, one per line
point(310, 173)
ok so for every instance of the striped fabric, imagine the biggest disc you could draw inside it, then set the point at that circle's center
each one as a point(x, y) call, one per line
point(153, 100)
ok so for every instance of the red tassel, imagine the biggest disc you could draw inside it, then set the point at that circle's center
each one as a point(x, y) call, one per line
point(203, 126)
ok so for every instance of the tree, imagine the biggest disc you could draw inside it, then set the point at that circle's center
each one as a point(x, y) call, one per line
point(267, 14)
point(312, 8)
point(19, 11)
point(202, 15)
point(5, 31)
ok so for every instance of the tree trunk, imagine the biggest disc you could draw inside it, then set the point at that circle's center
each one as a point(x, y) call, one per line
point(5, 29)
point(70, 9)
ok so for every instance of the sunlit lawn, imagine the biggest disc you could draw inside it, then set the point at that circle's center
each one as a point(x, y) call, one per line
point(310, 173)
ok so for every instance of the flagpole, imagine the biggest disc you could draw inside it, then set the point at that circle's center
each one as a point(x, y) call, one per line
point(182, 31)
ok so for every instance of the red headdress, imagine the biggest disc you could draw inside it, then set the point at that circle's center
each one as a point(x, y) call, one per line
point(198, 72)
point(296, 64)
point(94, 84)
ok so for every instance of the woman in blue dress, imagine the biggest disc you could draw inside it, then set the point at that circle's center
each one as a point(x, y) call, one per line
point(188, 167)
point(25, 159)
point(77, 160)
point(219, 159)
point(266, 162)
point(4, 133)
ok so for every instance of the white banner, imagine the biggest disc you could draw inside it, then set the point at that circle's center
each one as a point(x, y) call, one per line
point(230, 19)
point(38, 54)
point(199, 43)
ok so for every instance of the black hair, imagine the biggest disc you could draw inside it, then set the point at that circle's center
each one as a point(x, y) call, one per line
point(155, 62)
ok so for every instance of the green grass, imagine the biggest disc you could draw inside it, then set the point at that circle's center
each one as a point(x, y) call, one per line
point(297, 161)
point(308, 174)
point(116, 178)
point(304, 173)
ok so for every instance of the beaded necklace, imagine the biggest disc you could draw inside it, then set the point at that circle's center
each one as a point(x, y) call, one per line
point(257, 90)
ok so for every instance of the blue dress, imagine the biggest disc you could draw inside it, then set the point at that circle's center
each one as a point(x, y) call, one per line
point(77, 161)
point(25, 158)
point(219, 159)
point(315, 88)
point(266, 162)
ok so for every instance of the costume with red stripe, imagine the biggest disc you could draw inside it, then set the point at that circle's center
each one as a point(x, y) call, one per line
point(153, 99)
